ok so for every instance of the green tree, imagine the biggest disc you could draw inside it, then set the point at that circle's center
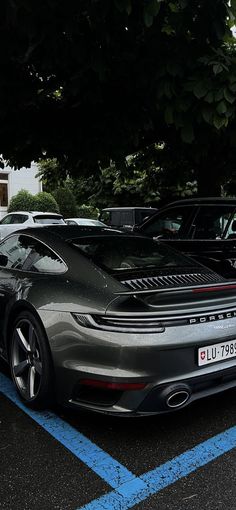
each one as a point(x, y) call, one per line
point(100, 79)
point(51, 173)
point(87, 211)
point(66, 202)
point(45, 202)
point(147, 178)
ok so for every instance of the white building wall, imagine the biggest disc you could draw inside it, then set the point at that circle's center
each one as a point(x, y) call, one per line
point(25, 178)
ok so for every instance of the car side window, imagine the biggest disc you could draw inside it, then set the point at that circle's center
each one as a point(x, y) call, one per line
point(231, 230)
point(7, 220)
point(15, 250)
point(142, 216)
point(115, 218)
point(169, 224)
point(126, 218)
point(211, 222)
point(19, 218)
point(42, 259)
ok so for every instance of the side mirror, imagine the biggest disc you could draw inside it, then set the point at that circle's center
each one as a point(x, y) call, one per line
point(136, 228)
point(3, 260)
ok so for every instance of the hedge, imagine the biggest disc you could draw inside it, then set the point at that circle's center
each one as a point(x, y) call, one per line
point(25, 201)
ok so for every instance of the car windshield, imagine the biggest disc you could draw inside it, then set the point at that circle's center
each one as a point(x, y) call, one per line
point(97, 223)
point(48, 220)
point(118, 253)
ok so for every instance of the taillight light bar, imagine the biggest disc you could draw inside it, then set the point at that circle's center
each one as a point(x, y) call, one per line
point(213, 289)
point(107, 385)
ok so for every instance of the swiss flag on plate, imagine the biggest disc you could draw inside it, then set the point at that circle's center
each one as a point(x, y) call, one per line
point(203, 355)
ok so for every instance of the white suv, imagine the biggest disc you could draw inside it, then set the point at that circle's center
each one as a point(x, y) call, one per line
point(22, 219)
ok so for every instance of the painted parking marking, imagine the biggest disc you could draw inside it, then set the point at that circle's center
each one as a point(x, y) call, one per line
point(110, 470)
point(129, 489)
point(152, 482)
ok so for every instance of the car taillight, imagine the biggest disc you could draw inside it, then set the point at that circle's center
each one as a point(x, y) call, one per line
point(120, 324)
point(214, 289)
point(107, 385)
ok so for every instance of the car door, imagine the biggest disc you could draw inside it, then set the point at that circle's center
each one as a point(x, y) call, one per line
point(206, 237)
point(171, 225)
point(199, 231)
point(13, 253)
point(229, 242)
point(11, 223)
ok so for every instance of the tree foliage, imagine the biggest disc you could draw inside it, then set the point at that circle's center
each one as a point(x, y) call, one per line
point(148, 178)
point(45, 202)
point(95, 80)
point(87, 211)
point(66, 201)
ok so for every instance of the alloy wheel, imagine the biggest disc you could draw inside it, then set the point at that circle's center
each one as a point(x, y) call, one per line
point(26, 359)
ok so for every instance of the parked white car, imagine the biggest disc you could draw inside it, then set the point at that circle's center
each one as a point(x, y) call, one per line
point(85, 222)
point(22, 219)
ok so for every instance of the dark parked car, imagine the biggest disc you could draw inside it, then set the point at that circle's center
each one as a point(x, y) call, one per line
point(113, 322)
point(125, 217)
point(204, 228)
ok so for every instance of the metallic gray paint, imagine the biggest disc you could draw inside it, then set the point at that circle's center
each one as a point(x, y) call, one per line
point(162, 360)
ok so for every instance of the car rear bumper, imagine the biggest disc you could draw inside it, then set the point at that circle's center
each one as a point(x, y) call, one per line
point(156, 398)
point(165, 362)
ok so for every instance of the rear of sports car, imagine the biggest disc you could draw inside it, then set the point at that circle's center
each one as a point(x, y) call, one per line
point(166, 337)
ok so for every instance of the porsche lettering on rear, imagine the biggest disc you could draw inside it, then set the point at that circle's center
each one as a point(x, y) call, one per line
point(212, 317)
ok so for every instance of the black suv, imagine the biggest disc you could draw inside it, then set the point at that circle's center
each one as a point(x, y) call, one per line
point(204, 228)
point(125, 217)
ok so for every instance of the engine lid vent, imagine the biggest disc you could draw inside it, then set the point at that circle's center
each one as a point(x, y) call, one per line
point(176, 280)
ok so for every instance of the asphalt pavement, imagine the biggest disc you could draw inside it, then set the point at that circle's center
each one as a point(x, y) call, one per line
point(69, 460)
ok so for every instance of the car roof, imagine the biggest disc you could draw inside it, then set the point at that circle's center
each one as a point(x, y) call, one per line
point(83, 219)
point(203, 200)
point(35, 213)
point(130, 209)
point(69, 232)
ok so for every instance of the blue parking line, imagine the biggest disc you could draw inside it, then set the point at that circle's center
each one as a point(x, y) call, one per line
point(110, 470)
point(148, 484)
point(129, 489)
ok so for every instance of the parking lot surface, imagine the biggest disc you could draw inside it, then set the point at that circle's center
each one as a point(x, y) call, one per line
point(64, 459)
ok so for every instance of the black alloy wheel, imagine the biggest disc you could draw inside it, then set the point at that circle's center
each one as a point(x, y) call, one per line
point(30, 361)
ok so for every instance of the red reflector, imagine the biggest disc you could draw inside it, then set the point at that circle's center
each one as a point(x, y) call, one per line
point(112, 385)
point(214, 289)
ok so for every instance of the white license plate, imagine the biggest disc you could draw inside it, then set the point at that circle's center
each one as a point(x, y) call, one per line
point(216, 352)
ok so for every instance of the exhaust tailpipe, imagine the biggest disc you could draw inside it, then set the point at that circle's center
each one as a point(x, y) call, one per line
point(177, 398)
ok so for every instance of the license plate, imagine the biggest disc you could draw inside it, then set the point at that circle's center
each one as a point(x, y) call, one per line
point(216, 352)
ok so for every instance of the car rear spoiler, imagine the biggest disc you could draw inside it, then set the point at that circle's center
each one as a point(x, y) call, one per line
point(195, 289)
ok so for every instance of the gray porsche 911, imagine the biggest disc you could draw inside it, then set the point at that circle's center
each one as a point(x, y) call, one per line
point(113, 322)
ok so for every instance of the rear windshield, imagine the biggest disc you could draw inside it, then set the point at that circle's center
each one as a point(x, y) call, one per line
point(127, 253)
point(97, 223)
point(48, 220)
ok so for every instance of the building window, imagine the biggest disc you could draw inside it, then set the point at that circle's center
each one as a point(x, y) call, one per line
point(3, 190)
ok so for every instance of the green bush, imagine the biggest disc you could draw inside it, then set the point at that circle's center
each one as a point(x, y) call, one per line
point(66, 201)
point(45, 202)
point(22, 201)
point(87, 211)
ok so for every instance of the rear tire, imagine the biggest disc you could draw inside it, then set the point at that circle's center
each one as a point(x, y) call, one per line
point(30, 361)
